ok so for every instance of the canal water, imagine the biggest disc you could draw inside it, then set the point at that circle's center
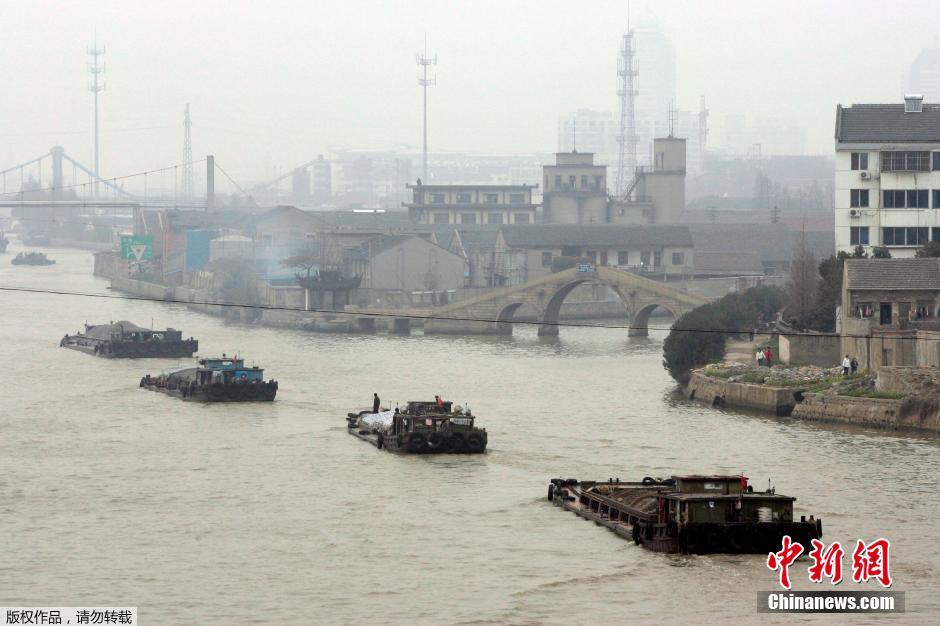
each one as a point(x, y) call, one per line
point(272, 514)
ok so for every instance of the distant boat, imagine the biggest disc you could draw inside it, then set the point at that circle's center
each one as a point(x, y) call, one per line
point(31, 258)
point(127, 340)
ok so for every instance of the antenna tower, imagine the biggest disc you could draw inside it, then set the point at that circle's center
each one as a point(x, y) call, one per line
point(423, 60)
point(187, 155)
point(627, 139)
point(96, 86)
point(702, 128)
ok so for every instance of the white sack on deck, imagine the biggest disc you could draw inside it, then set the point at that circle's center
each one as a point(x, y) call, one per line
point(381, 421)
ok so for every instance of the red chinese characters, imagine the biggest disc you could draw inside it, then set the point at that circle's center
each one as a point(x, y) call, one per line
point(826, 562)
point(872, 561)
point(783, 559)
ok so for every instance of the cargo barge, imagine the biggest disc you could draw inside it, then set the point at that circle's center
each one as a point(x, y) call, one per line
point(215, 380)
point(422, 428)
point(688, 514)
point(127, 340)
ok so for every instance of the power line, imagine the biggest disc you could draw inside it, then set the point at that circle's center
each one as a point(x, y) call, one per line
point(269, 307)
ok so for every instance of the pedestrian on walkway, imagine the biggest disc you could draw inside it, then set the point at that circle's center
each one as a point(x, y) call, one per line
point(769, 356)
point(846, 365)
point(854, 365)
point(760, 357)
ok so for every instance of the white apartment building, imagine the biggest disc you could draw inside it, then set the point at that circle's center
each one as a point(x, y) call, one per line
point(887, 187)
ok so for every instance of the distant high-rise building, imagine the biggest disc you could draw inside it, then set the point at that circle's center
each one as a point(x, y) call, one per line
point(656, 79)
point(924, 75)
point(322, 181)
point(589, 131)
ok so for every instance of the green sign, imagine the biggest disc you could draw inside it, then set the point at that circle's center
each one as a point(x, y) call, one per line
point(136, 247)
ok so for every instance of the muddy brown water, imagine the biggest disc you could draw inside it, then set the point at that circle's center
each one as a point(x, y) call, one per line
point(273, 514)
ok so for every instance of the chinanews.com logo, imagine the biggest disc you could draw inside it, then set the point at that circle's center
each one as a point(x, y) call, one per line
point(870, 562)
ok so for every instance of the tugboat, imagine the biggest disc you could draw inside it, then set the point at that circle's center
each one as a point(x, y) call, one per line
point(689, 514)
point(31, 258)
point(222, 379)
point(422, 428)
point(127, 340)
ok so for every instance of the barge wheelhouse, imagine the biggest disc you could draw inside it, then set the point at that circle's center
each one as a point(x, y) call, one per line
point(422, 428)
point(689, 514)
point(127, 340)
point(215, 380)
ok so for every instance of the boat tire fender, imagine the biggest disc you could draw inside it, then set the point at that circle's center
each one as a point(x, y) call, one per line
point(571, 481)
point(737, 538)
point(380, 442)
point(416, 442)
point(475, 443)
point(635, 533)
point(818, 528)
point(648, 480)
point(435, 440)
point(551, 492)
point(456, 443)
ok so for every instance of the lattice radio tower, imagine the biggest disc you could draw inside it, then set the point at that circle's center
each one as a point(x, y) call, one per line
point(96, 86)
point(187, 183)
point(423, 60)
point(627, 139)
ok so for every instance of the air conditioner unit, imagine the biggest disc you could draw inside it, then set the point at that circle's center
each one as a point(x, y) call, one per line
point(865, 175)
point(855, 213)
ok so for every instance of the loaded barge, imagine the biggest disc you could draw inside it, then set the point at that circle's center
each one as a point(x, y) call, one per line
point(126, 340)
point(215, 380)
point(688, 514)
point(422, 428)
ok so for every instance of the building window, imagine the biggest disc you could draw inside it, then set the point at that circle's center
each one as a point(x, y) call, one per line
point(936, 160)
point(572, 182)
point(658, 258)
point(557, 182)
point(598, 183)
point(546, 259)
point(905, 198)
point(522, 218)
point(678, 258)
point(442, 218)
point(584, 182)
point(437, 198)
point(468, 218)
point(905, 161)
point(517, 198)
point(859, 160)
point(492, 198)
point(267, 239)
point(859, 198)
point(644, 258)
point(464, 198)
point(494, 218)
point(859, 236)
point(901, 236)
point(936, 234)
point(936, 198)
point(623, 257)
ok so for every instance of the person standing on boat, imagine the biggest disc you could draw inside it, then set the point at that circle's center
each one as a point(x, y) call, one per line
point(375, 403)
point(440, 403)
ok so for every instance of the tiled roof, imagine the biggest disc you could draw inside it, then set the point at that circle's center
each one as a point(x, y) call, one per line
point(887, 122)
point(707, 262)
point(893, 274)
point(775, 243)
point(610, 236)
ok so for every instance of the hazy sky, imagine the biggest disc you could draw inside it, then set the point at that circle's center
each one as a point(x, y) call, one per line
point(271, 84)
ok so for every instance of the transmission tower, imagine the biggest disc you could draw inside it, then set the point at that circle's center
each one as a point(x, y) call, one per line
point(96, 86)
point(702, 128)
point(423, 60)
point(187, 155)
point(627, 139)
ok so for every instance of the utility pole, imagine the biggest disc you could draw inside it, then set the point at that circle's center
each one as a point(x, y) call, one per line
point(627, 139)
point(96, 68)
point(423, 60)
point(187, 155)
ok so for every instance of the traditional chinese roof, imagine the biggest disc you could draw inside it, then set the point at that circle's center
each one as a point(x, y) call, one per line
point(893, 274)
point(601, 236)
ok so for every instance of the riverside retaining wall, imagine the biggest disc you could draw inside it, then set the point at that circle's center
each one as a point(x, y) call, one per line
point(720, 392)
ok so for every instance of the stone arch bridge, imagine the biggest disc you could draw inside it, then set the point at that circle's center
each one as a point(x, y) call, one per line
point(492, 313)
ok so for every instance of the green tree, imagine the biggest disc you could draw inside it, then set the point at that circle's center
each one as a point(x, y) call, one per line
point(931, 250)
point(698, 337)
point(880, 252)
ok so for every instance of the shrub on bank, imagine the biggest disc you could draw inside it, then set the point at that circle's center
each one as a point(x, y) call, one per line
point(698, 337)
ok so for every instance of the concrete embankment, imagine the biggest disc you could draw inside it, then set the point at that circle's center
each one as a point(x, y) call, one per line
point(719, 392)
point(914, 413)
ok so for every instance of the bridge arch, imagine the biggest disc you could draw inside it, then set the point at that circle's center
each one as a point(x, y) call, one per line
point(639, 322)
